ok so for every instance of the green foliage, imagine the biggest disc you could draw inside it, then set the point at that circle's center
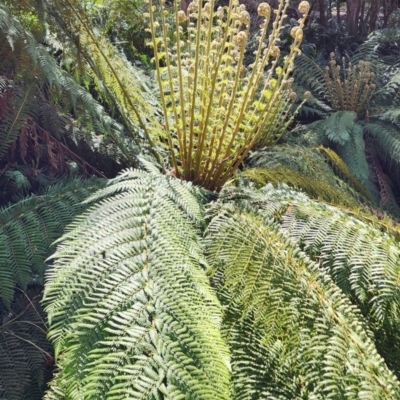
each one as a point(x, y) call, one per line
point(292, 331)
point(338, 127)
point(361, 260)
point(29, 227)
point(268, 294)
point(25, 354)
point(142, 321)
point(387, 137)
point(319, 172)
point(117, 82)
point(313, 187)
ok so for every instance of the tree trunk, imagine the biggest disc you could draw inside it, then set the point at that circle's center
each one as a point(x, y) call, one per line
point(352, 17)
point(322, 17)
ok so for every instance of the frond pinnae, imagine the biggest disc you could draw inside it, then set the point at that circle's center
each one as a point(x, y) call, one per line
point(29, 227)
point(130, 307)
point(285, 317)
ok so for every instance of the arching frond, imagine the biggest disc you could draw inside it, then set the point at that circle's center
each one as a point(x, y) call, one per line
point(29, 227)
point(320, 172)
point(130, 308)
point(337, 127)
point(350, 246)
point(308, 74)
point(292, 332)
point(387, 136)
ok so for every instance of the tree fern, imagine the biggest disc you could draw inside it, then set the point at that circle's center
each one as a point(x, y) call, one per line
point(28, 228)
point(284, 317)
point(130, 308)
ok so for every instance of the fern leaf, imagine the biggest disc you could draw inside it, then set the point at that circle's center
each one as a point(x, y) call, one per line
point(292, 332)
point(337, 127)
point(387, 137)
point(308, 169)
point(308, 74)
point(350, 246)
point(28, 228)
point(129, 304)
point(25, 354)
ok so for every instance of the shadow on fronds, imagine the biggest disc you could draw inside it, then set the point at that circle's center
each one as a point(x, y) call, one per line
point(26, 357)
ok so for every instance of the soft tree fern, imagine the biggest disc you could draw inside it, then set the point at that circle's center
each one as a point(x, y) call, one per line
point(164, 290)
point(144, 322)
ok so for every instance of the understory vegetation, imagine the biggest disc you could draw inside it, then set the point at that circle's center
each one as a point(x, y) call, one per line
point(199, 200)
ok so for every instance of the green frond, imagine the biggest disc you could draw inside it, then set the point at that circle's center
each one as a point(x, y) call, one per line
point(314, 187)
point(29, 227)
point(116, 81)
point(388, 95)
point(320, 172)
point(386, 136)
point(130, 307)
point(342, 170)
point(359, 250)
point(337, 127)
point(25, 354)
point(353, 154)
point(309, 75)
point(291, 330)
point(368, 50)
point(19, 106)
point(346, 136)
point(43, 76)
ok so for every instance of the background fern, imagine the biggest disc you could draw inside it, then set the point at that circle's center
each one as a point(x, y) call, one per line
point(29, 227)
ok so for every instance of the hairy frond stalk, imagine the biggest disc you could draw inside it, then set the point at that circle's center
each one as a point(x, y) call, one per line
point(215, 108)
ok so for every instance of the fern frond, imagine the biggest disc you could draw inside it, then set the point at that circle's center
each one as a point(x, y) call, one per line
point(389, 95)
point(29, 227)
point(25, 354)
point(309, 168)
point(314, 187)
point(19, 107)
point(292, 332)
point(368, 50)
point(131, 311)
point(342, 170)
point(337, 127)
point(386, 136)
point(351, 246)
point(347, 138)
point(309, 75)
